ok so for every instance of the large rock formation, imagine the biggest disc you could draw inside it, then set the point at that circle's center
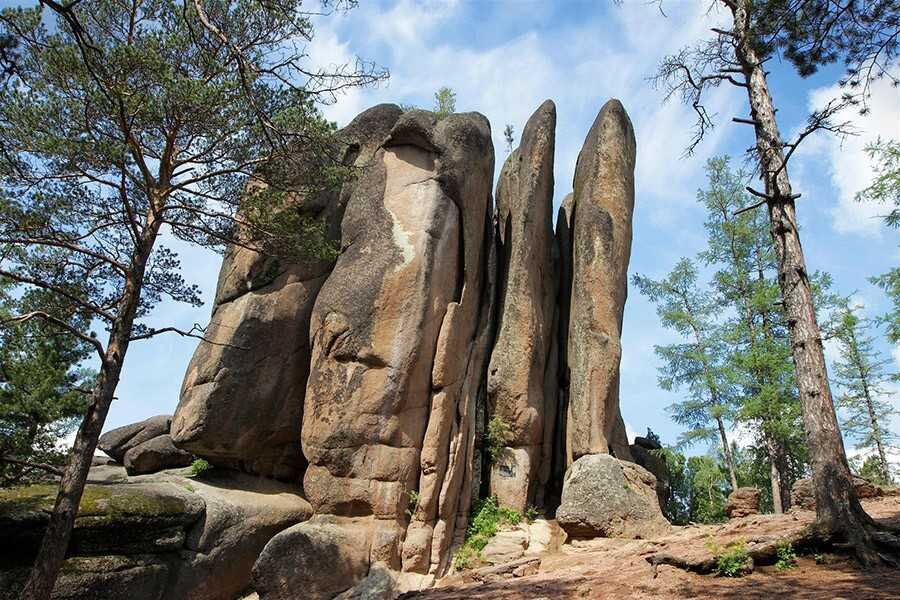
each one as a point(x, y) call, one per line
point(374, 377)
point(521, 364)
point(397, 340)
point(601, 247)
point(242, 396)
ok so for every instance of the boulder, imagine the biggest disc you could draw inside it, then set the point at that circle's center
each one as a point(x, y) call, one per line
point(118, 441)
point(396, 364)
point(643, 455)
point(315, 560)
point(161, 537)
point(155, 455)
point(802, 492)
point(119, 518)
point(521, 354)
point(605, 497)
point(242, 397)
point(601, 248)
point(742, 502)
point(379, 584)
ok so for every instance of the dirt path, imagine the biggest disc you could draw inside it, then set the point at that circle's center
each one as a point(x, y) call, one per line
point(611, 569)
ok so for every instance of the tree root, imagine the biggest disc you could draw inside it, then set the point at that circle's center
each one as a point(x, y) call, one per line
point(872, 544)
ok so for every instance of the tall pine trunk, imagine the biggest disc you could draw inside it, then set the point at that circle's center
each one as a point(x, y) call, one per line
point(54, 545)
point(726, 451)
point(837, 507)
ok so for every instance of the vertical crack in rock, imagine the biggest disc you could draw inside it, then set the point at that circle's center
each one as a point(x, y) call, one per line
point(522, 375)
point(241, 403)
point(601, 249)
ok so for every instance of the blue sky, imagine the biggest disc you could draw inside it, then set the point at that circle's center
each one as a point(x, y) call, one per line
point(503, 58)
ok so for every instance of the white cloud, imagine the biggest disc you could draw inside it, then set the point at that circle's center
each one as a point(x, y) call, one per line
point(848, 164)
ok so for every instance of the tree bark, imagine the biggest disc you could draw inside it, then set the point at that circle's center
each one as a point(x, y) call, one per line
point(726, 451)
point(838, 510)
point(54, 545)
point(775, 478)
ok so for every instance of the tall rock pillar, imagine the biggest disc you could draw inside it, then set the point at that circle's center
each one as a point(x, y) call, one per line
point(600, 232)
point(521, 396)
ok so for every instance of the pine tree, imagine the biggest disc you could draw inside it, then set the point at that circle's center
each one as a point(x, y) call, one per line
point(809, 34)
point(125, 122)
point(759, 353)
point(696, 365)
point(861, 375)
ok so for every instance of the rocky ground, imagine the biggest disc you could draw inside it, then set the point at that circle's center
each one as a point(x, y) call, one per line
point(616, 568)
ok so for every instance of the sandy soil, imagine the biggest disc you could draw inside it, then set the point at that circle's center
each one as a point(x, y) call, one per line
point(612, 569)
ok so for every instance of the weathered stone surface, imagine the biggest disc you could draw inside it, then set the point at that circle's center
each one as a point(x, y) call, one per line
point(395, 365)
point(242, 514)
point(521, 355)
point(601, 248)
point(379, 584)
point(155, 536)
point(242, 397)
point(155, 455)
point(642, 453)
point(605, 497)
point(315, 560)
point(506, 546)
point(802, 492)
point(118, 441)
point(742, 502)
point(112, 519)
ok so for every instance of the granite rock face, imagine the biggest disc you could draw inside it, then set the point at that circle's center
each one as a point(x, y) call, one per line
point(601, 248)
point(372, 378)
point(606, 497)
point(522, 360)
point(242, 397)
point(161, 536)
point(802, 495)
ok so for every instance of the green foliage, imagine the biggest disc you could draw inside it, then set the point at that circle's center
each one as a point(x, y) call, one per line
point(444, 102)
point(413, 503)
point(532, 513)
point(696, 364)
point(485, 521)
point(43, 390)
point(884, 156)
point(497, 437)
point(861, 375)
point(872, 470)
point(786, 557)
point(890, 283)
point(732, 560)
point(200, 466)
point(699, 487)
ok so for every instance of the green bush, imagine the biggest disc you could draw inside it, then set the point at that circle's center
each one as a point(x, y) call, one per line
point(487, 518)
point(532, 513)
point(498, 434)
point(732, 560)
point(465, 558)
point(200, 466)
point(787, 558)
point(413, 503)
